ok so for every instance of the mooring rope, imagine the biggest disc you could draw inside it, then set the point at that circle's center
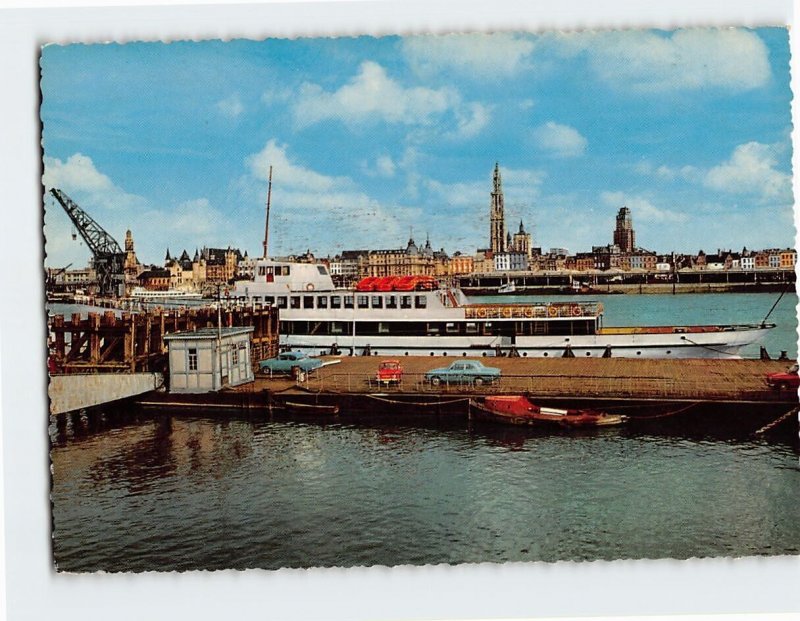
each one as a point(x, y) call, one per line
point(418, 403)
point(714, 349)
point(776, 422)
point(665, 414)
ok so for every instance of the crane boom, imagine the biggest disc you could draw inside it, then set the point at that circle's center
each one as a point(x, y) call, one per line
point(107, 253)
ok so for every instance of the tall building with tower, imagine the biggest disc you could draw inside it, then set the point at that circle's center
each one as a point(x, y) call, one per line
point(624, 236)
point(497, 218)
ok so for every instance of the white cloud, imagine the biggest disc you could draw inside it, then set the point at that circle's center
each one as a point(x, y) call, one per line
point(80, 179)
point(372, 95)
point(641, 208)
point(288, 174)
point(230, 106)
point(486, 55)
point(560, 140)
point(317, 211)
point(688, 59)
point(751, 169)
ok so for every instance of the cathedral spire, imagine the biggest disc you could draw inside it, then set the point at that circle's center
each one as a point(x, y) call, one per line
point(497, 219)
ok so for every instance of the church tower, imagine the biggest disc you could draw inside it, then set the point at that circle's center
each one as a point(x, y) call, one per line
point(497, 219)
point(624, 236)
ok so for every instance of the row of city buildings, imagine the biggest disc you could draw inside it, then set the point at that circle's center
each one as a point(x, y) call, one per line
point(506, 253)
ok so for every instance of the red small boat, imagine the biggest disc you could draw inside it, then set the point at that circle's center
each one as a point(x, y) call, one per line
point(517, 410)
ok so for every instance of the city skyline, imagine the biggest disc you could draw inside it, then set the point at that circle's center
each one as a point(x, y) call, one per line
point(368, 137)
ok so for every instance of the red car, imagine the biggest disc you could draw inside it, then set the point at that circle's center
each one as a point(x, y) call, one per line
point(787, 379)
point(389, 372)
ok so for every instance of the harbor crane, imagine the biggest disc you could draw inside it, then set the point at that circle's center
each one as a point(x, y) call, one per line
point(108, 257)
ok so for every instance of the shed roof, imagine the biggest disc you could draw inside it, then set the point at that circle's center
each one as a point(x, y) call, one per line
point(208, 333)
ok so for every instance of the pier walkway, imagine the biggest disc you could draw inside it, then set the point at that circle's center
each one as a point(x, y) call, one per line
point(739, 381)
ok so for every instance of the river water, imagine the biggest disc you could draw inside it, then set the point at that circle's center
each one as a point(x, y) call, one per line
point(136, 491)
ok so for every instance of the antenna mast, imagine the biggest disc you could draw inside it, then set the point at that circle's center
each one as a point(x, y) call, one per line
point(266, 226)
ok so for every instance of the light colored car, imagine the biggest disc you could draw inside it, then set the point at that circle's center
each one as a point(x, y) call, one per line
point(463, 372)
point(285, 362)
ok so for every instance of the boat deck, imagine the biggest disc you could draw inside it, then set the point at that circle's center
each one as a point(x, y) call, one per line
point(738, 381)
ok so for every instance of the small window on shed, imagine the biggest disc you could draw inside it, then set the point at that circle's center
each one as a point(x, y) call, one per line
point(193, 359)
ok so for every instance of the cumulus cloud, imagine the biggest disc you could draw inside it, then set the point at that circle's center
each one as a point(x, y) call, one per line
point(384, 166)
point(230, 106)
point(318, 210)
point(688, 59)
point(486, 55)
point(79, 178)
point(289, 174)
point(641, 208)
point(372, 96)
point(751, 169)
point(560, 140)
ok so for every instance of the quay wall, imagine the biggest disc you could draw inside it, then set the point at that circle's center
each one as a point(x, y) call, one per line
point(78, 391)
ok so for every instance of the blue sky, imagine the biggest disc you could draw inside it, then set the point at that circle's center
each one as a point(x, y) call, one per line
point(371, 138)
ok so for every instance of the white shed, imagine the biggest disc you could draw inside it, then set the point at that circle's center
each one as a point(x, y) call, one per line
point(209, 359)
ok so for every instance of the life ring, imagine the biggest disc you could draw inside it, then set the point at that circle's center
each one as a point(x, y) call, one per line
point(507, 312)
point(552, 311)
point(480, 313)
point(576, 310)
point(529, 312)
point(310, 286)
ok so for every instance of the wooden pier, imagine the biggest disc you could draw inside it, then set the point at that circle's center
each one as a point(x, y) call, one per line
point(134, 342)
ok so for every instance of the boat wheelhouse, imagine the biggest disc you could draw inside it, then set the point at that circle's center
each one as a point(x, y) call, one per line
point(413, 316)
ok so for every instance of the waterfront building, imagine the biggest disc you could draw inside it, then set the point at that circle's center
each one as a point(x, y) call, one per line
point(155, 279)
point(461, 264)
point(131, 267)
point(624, 236)
point(221, 263)
point(497, 218)
point(206, 360)
point(510, 262)
point(747, 263)
point(408, 261)
point(245, 267)
point(788, 258)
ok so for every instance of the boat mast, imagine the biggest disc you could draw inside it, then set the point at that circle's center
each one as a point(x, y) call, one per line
point(266, 226)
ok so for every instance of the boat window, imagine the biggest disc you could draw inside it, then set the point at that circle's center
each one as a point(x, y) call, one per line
point(363, 301)
point(294, 301)
point(405, 301)
point(377, 301)
point(383, 328)
point(451, 328)
point(269, 299)
point(308, 301)
point(262, 270)
point(282, 301)
point(433, 328)
point(472, 328)
point(421, 301)
point(268, 269)
point(336, 301)
point(322, 301)
point(348, 301)
point(391, 301)
point(321, 269)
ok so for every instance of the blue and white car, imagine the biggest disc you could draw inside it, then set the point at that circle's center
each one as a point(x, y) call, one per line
point(285, 362)
point(463, 372)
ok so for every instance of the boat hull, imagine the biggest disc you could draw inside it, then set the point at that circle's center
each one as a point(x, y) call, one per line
point(517, 410)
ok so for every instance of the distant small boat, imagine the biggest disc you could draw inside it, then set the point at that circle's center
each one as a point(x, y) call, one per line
point(518, 410)
point(311, 409)
point(509, 287)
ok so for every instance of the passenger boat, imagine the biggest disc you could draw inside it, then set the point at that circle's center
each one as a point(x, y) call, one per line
point(518, 410)
point(416, 316)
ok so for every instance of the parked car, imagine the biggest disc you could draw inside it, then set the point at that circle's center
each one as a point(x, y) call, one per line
point(784, 380)
point(389, 372)
point(463, 372)
point(285, 362)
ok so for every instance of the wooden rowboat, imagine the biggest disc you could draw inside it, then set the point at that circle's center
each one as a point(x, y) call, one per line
point(311, 409)
point(518, 410)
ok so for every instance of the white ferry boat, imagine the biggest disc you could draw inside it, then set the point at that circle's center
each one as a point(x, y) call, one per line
point(414, 316)
point(139, 293)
